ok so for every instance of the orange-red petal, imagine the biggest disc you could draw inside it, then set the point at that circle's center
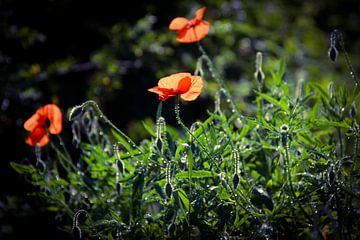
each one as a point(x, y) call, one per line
point(55, 116)
point(200, 13)
point(184, 85)
point(193, 34)
point(32, 122)
point(178, 23)
point(194, 90)
point(162, 94)
point(172, 81)
point(38, 136)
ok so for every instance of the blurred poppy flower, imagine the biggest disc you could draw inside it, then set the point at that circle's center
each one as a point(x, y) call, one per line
point(184, 84)
point(190, 31)
point(46, 119)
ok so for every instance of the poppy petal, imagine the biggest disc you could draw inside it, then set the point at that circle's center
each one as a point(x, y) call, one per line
point(184, 85)
point(32, 122)
point(162, 94)
point(187, 36)
point(202, 29)
point(178, 23)
point(171, 82)
point(38, 136)
point(195, 89)
point(195, 33)
point(55, 116)
point(200, 13)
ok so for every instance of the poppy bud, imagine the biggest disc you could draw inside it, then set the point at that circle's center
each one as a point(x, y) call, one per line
point(118, 188)
point(352, 110)
point(333, 53)
point(235, 180)
point(76, 233)
point(334, 40)
point(168, 190)
point(259, 75)
point(120, 166)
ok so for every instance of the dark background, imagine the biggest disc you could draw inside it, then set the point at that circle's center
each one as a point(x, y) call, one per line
point(69, 51)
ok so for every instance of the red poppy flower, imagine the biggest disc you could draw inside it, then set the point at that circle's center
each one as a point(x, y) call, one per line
point(191, 30)
point(46, 119)
point(184, 84)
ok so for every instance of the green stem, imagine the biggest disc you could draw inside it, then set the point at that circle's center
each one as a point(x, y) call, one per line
point(62, 157)
point(102, 117)
point(288, 174)
point(340, 141)
point(178, 119)
point(190, 196)
point(221, 83)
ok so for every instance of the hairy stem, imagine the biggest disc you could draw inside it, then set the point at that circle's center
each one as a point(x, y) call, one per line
point(219, 80)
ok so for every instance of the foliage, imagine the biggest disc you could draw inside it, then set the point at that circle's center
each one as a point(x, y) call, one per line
point(287, 170)
point(277, 156)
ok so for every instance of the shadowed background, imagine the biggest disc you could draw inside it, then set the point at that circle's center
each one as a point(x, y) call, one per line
point(67, 52)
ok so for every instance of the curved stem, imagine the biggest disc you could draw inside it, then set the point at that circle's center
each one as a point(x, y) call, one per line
point(221, 83)
point(101, 116)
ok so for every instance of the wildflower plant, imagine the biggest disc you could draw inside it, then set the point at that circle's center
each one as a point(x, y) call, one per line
point(287, 170)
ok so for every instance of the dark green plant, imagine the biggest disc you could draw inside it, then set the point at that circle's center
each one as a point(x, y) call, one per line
point(287, 167)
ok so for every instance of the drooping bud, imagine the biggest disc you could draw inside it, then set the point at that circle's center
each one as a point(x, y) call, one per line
point(259, 74)
point(235, 180)
point(119, 162)
point(352, 110)
point(333, 52)
point(168, 190)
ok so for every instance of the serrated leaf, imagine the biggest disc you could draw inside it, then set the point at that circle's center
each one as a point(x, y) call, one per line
point(281, 104)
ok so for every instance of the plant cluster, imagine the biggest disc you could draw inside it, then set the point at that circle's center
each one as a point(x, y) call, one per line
point(289, 169)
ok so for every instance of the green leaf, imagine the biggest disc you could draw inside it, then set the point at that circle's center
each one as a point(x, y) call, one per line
point(322, 92)
point(194, 174)
point(121, 140)
point(199, 131)
point(178, 201)
point(115, 215)
point(326, 123)
point(148, 129)
point(244, 131)
point(277, 77)
point(181, 195)
point(57, 182)
point(137, 193)
point(110, 237)
point(281, 104)
point(22, 168)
